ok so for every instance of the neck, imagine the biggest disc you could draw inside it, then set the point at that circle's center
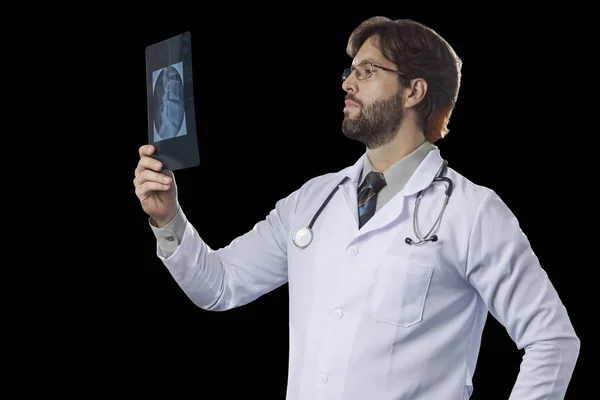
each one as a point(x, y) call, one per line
point(405, 142)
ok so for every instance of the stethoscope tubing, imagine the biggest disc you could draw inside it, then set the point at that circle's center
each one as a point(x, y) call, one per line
point(303, 236)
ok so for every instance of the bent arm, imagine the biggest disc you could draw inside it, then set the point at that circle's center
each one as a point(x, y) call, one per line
point(250, 266)
point(508, 276)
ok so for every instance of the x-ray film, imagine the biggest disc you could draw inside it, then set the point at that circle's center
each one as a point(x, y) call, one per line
point(170, 94)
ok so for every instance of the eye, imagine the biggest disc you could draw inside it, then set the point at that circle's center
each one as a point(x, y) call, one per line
point(364, 70)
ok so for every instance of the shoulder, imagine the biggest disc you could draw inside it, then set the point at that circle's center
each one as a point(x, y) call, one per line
point(466, 190)
point(315, 189)
point(325, 182)
point(477, 201)
point(318, 187)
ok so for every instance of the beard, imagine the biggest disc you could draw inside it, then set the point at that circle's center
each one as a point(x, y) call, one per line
point(376, 124)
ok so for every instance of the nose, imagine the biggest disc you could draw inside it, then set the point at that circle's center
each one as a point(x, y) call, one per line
point(349, 85)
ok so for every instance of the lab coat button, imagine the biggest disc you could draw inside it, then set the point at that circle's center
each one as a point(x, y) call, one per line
point(337, 313)
point(353, 250)
point(170, 238)
point(323, 379)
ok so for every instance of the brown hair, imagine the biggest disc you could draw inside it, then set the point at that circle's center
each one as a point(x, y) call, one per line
point(419, 52)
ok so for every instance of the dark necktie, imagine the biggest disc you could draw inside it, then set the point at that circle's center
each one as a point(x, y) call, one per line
point(367, 196)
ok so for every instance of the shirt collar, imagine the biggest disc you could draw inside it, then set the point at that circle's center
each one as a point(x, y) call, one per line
point(399, 173)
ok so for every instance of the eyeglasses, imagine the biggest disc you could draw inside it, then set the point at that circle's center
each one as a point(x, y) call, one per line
point(365, 70)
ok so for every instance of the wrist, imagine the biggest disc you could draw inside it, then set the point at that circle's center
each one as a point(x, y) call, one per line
point(161, 222)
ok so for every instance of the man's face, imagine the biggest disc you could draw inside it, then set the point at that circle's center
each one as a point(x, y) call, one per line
point(374, 111)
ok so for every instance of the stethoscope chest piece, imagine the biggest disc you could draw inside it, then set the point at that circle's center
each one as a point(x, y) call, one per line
point(303, 236)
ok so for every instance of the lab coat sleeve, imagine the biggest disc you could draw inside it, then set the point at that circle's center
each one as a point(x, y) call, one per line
point(507, 274)
point(250, 266)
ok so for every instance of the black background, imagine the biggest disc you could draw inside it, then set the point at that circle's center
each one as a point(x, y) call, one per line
point(269, 102)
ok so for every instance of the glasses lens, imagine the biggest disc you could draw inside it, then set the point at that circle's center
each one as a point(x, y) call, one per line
point(363, 71)
point(346, 73)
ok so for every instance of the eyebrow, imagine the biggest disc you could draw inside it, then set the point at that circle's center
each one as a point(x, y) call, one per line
point(367, 60)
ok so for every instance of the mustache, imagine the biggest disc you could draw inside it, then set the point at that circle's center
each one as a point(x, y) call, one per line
point(353, 99)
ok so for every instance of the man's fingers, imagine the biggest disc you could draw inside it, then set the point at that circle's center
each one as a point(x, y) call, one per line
point(147, 175)
point(149, 186)
point(146, 150)
point(147, 163)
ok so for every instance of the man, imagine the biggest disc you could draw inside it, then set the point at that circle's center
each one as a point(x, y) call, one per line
point(376, 313)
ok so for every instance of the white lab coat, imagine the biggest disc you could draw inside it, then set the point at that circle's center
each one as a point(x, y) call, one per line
point(374, 318)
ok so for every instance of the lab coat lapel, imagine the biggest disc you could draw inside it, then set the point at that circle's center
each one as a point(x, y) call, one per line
point(349, 189)
point(351, 196)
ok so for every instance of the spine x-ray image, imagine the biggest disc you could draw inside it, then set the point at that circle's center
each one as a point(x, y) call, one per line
point(168, 105)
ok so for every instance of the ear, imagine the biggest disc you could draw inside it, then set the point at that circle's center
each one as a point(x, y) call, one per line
point(415, 92)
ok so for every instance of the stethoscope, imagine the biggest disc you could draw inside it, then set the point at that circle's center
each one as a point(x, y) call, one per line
point(438, 178)
point(303, 236)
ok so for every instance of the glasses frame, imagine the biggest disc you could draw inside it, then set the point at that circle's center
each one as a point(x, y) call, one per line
point(348, 71)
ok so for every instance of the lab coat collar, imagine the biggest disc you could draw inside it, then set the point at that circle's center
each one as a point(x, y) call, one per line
point(425, 173)
point(353, 171)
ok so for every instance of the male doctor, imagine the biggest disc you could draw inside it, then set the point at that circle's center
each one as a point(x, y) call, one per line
point(376, 313)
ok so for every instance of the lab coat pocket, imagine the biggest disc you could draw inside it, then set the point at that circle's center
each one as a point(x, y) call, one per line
point(399, 291)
